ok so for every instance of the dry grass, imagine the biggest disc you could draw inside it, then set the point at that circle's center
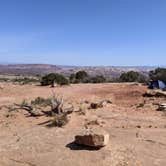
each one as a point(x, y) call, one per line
point(60, 120)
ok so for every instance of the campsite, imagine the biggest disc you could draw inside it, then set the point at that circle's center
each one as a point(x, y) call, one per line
point(82, 82)
point(136, 128)
point(157, 84)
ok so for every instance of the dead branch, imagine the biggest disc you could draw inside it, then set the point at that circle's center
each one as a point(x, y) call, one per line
point(57, 106)
point(29, 108)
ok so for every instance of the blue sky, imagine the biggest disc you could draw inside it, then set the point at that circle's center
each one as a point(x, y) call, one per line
point(83, 32)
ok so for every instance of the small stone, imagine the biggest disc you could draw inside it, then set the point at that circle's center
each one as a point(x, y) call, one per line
point(95, 105)
point(96, 138)
point(162, 107)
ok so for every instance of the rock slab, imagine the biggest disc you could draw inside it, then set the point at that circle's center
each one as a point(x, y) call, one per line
point(162, 107)
point(93, 137)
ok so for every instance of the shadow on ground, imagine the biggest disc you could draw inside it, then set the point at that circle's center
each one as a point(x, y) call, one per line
point(48, 124)
point(74, 146)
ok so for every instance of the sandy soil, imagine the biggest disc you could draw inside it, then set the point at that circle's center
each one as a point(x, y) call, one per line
point(137, 134)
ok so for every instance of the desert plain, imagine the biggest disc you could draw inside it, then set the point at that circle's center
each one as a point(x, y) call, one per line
point(137, 130)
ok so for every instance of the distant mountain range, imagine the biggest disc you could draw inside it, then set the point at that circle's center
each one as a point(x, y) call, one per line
point(41, 69)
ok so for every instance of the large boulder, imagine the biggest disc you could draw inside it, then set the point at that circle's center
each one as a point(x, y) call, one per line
point(93, 137)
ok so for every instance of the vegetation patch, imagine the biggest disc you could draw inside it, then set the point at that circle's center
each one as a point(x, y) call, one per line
point(158, 74)
point(41, 101)
point(133, 76)
point(60, 120)
point(53, 78)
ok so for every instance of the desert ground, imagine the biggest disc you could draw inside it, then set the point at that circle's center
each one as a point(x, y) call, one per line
point(137, 131)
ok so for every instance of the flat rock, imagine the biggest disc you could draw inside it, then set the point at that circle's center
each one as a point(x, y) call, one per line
point(93, 137)
point(162, 107)
point(155, 93)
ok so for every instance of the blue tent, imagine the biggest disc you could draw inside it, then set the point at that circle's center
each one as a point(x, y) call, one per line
point(157, 85)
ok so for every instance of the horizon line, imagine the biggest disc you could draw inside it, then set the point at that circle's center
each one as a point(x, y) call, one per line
point(9, 63)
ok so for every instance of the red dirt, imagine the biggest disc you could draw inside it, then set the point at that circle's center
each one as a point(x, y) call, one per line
point(137, 130)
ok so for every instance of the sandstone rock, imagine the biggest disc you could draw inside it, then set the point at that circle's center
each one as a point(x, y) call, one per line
point(155, 93)
point(162, 107)
point(93, 137)
point(95, 105)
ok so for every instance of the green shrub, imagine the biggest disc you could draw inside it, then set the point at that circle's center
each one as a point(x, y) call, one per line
point(158, 74)
point(48, 79)
point(4, 79)
point(81, 76)
point(52, 78)
point(25, 80)
point(61, 80)
point(98, 79)
point(132, 76)
point(72, 78)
